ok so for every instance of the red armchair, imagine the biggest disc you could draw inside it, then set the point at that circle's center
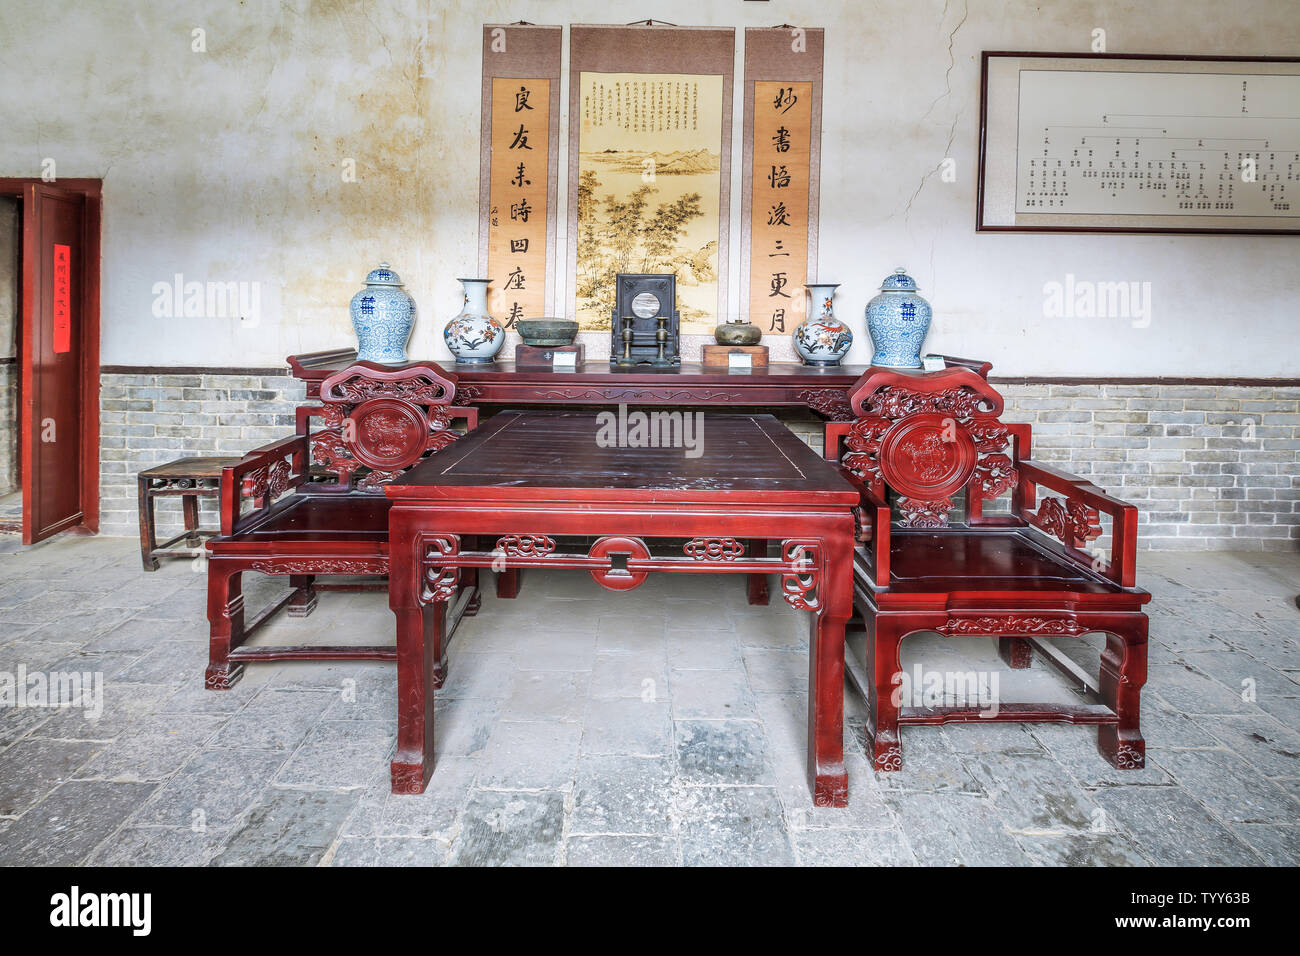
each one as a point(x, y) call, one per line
point(919, 444)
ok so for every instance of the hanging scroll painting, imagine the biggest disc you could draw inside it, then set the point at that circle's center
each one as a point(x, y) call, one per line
point(649, 162)
point(519, 171)
point(783, 73)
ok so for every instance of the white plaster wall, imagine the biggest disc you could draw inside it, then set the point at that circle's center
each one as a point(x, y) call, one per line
point(225, 166)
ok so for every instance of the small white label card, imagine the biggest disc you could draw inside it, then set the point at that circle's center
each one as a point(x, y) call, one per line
point(933, 363)
point(564, 361)
point(739, 360)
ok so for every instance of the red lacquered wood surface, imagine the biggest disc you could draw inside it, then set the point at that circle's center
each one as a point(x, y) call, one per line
point(918, 446)
point(512, 490)
point(318, 509)
point(53, 467)
point(781, 384)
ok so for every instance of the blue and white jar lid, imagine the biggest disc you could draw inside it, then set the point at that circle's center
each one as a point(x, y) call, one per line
point(900, 281)
point(383, 276)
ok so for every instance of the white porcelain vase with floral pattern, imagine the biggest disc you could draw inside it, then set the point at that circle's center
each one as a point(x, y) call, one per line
point(474, 336)
point(822, 339)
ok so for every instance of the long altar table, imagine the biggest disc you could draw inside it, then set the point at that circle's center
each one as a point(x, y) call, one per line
point(781, 384)
point(527, 478)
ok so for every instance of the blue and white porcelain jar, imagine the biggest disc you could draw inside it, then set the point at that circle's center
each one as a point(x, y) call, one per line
point(898, 320)
point(473, 336)
point(382, 316)
point(822, 339)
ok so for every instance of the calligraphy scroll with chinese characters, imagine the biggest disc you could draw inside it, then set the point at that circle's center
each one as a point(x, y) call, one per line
point(779, 226)
point(62, 298)
point(519, 172)
point(517, 263)
point(783, 69)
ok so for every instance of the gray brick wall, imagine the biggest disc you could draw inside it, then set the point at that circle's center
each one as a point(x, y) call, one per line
point(1210, 467)
point(146, 420)
point(9, 374)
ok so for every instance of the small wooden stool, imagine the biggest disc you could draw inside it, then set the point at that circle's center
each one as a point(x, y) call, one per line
point(186, 478)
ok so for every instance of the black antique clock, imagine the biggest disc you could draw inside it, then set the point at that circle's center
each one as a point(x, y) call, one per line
point(646, 326)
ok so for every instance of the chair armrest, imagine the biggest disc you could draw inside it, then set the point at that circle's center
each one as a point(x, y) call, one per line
point(833, 434)
point(1123, 548)
point(874, 515)
point(978, 366)
point(263, 474)
point(467, 412)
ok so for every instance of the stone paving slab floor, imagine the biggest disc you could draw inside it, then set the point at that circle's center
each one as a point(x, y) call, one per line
point(660, 727)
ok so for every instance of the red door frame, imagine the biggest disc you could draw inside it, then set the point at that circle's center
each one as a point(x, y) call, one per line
point(92, 190)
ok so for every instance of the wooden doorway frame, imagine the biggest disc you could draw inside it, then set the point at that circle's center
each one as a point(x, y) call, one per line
point(93, 191)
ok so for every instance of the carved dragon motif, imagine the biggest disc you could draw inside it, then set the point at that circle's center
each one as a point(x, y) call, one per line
point(831, 402)
point(896, 401)
point(918, 513)
point(1073, 521)
point(357, 389)
point(320, 566)
point(1008, 624)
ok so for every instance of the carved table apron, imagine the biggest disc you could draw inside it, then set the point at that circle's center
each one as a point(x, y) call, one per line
point(505, 492)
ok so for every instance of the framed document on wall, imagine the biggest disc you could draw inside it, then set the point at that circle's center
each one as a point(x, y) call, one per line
point(1143, 143)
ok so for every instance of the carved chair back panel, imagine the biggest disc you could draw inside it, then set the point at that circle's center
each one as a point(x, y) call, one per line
point(927, 437)
point(379, 422)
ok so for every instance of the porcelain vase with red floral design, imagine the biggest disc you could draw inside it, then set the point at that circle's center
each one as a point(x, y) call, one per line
point(822, 339)
point(473, 336)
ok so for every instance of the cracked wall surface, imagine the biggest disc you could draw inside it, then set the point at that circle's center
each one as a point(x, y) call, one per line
point(227, 166)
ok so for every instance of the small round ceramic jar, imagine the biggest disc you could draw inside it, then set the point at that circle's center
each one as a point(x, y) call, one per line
point(473, 336)
point(737, 332)
point(822, 339)
point(382, 316)
point(898, 320)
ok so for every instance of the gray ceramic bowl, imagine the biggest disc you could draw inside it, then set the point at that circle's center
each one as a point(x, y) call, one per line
point(548, 332)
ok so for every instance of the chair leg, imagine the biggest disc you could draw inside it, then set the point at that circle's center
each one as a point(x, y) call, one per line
point(148, 533)
point(884, 746)
point(1123, 672)
point(758, 593)
point(469, 579)
point(508, 583)
point(226, 625)
point(303, 600)
point(190, 509)
point(1016, 652)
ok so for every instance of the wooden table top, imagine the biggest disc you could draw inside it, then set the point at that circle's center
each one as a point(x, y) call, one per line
point(189, 468)
point(556, 456)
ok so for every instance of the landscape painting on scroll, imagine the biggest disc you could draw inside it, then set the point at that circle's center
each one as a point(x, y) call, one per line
point(649, 190)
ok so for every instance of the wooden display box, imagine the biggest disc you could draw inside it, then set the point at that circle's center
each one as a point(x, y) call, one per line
point(537, 356)
point(716, 356)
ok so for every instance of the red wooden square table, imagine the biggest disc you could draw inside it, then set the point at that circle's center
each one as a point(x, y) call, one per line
point(505, 492)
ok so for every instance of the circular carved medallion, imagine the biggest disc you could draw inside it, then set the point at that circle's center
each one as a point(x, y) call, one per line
point(388, 434)
point(645, 305)
point(617, 577)
point(926, 456)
